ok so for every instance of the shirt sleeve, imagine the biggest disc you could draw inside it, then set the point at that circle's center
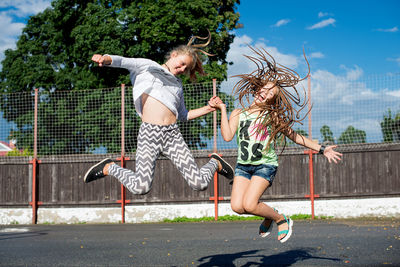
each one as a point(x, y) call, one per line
point(182, 111)
point(135, 65)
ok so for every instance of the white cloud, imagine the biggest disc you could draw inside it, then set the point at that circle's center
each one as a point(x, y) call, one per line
point(352, 99)
point(10, 29)
point(352, 74)
point(397, 60)
point(317, 55)
point(22, 8)
point(322, 24)
point(394, 93)
point(8, 32)
point(240, 47)
point(322, 14)
point(281, 23)
point(341, 89)
point(394, 29)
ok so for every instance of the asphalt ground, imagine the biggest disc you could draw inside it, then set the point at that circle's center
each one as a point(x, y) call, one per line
point(361, 242)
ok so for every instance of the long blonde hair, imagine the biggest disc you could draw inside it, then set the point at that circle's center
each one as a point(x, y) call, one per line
point(193, 51)
point(284, 110)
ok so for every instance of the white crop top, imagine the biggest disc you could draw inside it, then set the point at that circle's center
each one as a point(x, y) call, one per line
point(149, 77)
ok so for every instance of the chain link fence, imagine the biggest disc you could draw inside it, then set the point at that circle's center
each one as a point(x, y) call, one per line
point(353, 111)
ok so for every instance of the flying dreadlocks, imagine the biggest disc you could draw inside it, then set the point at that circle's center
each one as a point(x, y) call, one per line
point(284, 110)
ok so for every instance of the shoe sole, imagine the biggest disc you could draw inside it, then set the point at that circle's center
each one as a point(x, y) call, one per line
point(94, 166)
point(268, 230)
point(289, 234)
point(226, 163)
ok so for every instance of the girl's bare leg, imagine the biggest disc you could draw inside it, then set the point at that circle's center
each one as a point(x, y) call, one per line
point(239, 187)
point(246, 199)
point(251, 199)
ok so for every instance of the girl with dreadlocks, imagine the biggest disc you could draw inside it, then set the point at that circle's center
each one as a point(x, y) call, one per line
point(258, 126)
point(158, 99)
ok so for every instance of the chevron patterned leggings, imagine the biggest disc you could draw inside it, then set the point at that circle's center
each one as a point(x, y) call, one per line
point(168, 140)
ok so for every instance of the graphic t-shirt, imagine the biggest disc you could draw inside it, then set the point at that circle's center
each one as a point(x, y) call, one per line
point(252, 143)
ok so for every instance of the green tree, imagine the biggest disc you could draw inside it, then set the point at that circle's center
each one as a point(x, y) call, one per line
point(396, 128)
point(352, 135)
point(54, 54)
point(390, 127)
point(327, 134)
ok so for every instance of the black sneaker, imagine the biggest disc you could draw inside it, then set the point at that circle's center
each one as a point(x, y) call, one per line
point(96, 171)
point(227, 169)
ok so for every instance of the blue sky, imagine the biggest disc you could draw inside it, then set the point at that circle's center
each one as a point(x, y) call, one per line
point(336, 34)
point(343, 40)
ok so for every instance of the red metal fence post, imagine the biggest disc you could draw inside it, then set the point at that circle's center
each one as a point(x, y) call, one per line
point(123, 200)
point(310, 152)
point(215, 197)
point(312, 196)
point(34, 201)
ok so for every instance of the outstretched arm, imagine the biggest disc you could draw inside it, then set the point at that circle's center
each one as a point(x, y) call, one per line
point(195, 113)
point(135, 65)
point(328, 152)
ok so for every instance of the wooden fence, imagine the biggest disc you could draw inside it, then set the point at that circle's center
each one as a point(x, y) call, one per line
point(373, 171)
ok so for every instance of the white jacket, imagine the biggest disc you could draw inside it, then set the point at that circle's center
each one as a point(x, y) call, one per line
point(151, 78)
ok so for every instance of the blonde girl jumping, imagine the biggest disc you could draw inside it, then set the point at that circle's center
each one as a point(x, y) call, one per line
point(158, 99)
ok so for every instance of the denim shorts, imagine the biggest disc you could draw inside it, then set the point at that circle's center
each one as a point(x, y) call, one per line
point(265, 171)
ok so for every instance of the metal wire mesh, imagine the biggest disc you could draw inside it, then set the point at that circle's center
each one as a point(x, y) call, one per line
point(75, 124)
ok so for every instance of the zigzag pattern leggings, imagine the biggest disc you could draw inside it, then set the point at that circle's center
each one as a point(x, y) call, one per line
point(156, 139)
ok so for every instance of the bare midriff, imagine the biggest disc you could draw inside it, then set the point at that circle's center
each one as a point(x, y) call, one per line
point(155, 112)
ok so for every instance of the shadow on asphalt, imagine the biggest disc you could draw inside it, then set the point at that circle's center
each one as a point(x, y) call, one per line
point(286, 258)
point(5, 236)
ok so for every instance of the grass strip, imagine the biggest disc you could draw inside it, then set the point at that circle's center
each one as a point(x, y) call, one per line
point(239, 218)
